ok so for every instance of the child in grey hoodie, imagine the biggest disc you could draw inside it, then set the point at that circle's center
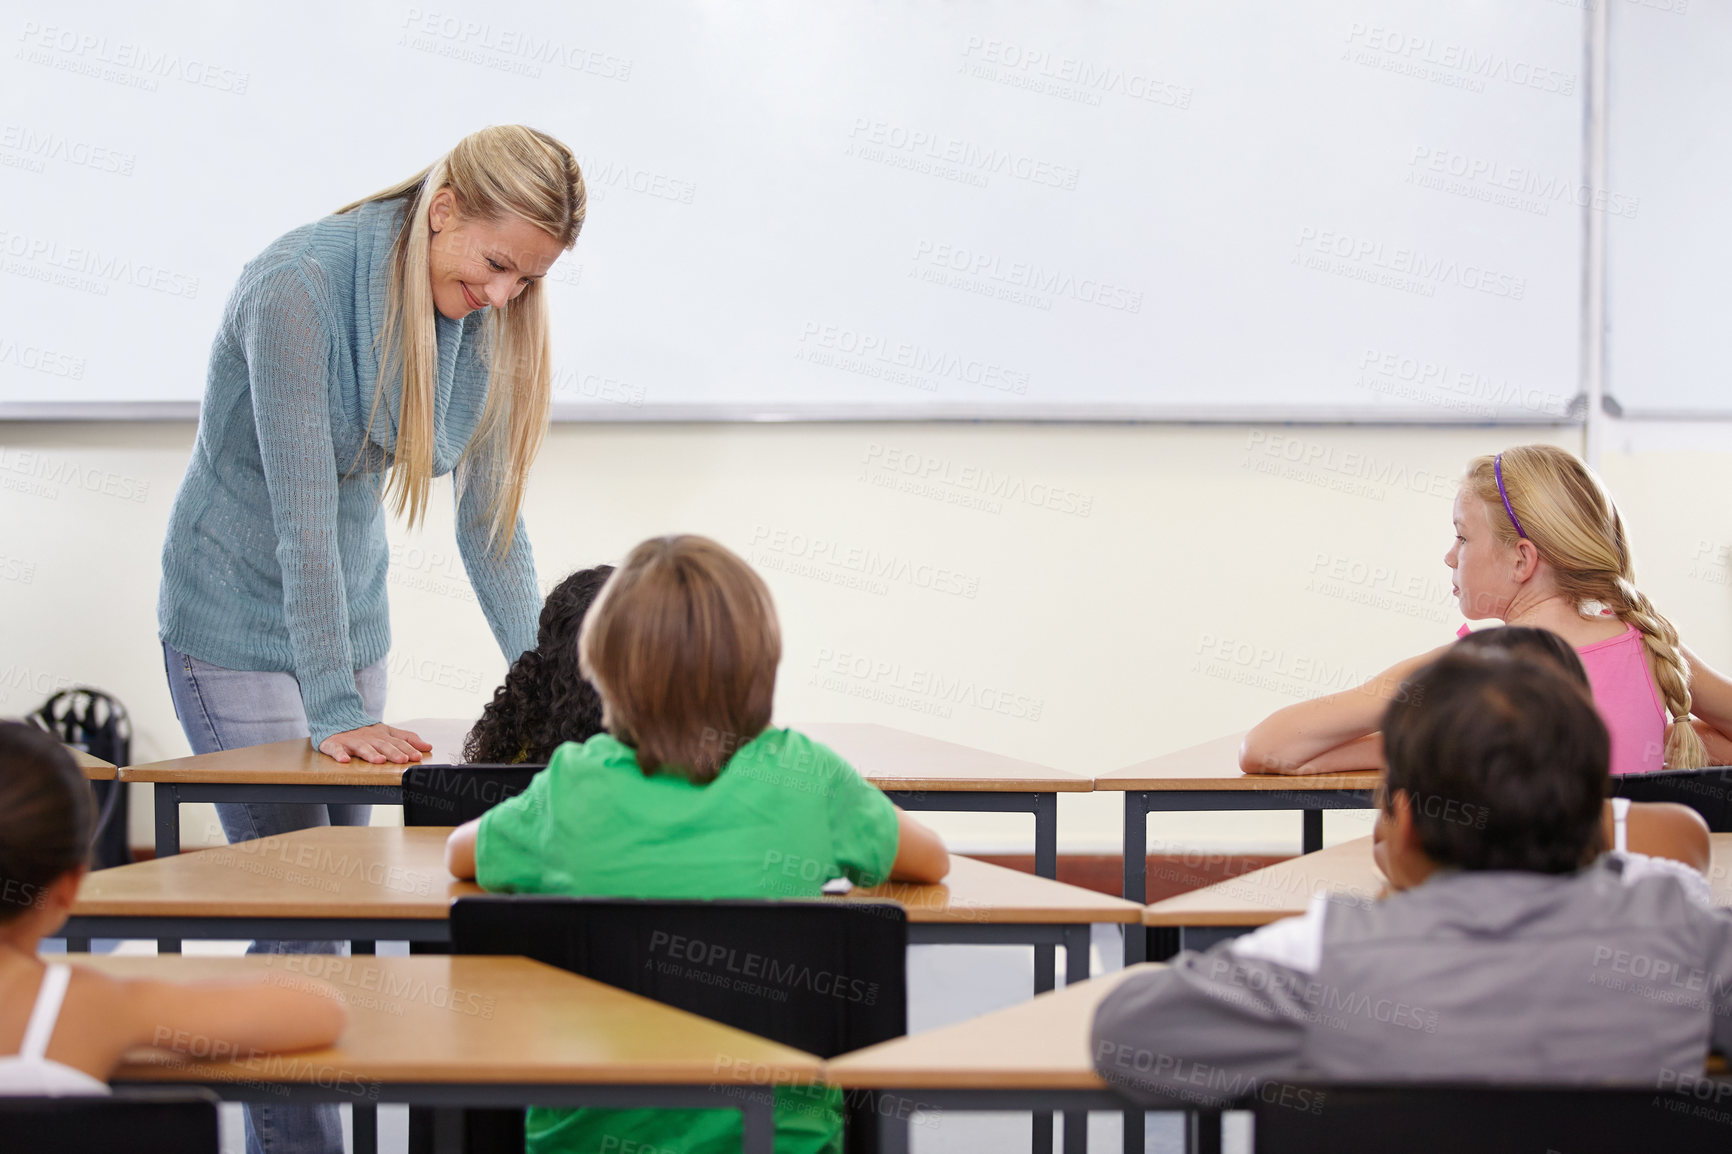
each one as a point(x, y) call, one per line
point(1503, 955)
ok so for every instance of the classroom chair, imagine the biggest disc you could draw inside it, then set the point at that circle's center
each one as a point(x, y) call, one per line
point(135, 1121)
point(1450, 1119)
point(824, 977)
point(454, 794)
point(1707, 791)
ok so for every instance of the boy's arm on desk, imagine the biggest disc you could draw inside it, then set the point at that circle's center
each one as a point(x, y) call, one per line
point(460, 850)
point(920, 853)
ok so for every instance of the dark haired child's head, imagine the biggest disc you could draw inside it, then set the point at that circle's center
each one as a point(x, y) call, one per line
point(683, 644)
point(544, 701)
point(1528, 643)
point(1496, 762)
point(45, 818)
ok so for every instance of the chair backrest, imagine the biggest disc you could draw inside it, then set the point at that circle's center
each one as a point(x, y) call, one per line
point(1707, 791)
point(454, 794)
point(826, 977)
point(1315, 1119)
point(136, 1121)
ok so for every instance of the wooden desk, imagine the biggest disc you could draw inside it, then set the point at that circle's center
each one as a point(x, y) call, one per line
point(1208, 777)
point(1284, 890)
point(919, 773)
point(94, 768)
point(484, 1031)
point(1034, 1055)
point(366, 883)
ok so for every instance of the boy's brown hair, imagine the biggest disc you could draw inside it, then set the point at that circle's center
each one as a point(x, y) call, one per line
point(683, 644)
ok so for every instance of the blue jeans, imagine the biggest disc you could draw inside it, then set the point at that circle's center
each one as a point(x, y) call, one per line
point(228, 708)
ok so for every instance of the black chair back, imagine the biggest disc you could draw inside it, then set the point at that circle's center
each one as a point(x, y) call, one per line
point(1325, 1119)
point(826, 977)
point(1707, 791)
point(136, 1121)
point(454, 794)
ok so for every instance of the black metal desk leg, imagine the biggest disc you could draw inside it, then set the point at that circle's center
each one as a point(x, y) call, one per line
point(1042, 1132)
point(167, 806)
point(1133, 1132)
point(1312, 840)
point(364, 1128)
point(893, 1123)
point(1205, 1132)
point(1076, 969)
point(167, 819)
point(758, 1125)
point(1077, 946)
point(1136, 871)
point(1046, 834)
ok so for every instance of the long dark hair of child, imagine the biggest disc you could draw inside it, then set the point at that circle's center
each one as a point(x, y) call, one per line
point(45, 816)
point(545, 701)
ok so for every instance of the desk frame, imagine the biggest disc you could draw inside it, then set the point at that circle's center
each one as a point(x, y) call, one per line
point(753, 1102)
point(1202, 1133)
point(1139, 803)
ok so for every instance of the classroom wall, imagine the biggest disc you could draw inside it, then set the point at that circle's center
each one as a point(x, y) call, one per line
point(1082, 596)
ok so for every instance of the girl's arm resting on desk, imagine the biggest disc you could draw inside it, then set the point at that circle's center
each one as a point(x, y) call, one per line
point(920, 853)
point(1358, 755)
point(233, 1019)
point(1291, 740)
point(460, 850)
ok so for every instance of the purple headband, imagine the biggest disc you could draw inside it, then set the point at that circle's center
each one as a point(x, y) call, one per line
point(1497, 470)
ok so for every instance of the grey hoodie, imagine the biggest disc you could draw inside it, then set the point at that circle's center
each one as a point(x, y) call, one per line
point(1472, 976)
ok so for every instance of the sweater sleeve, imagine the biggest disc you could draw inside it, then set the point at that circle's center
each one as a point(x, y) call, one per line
point(288, 351)
point(505, 586)
point(1213, 1027)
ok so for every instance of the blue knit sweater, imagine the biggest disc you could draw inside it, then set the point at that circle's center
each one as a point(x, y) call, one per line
point(276, 549)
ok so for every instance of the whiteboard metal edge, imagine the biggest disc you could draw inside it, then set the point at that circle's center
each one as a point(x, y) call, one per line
point(868, 414)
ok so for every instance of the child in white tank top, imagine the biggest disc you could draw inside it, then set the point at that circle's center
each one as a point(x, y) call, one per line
point(64, 1029)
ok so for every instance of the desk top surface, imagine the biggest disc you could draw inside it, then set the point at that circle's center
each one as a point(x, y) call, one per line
point(323, 872)
point(1214, 765)
point(432, 1018)
point(1284, 889)
point(888, 758)
point(398, 872)
point(1041, 1044)
point(93, 768)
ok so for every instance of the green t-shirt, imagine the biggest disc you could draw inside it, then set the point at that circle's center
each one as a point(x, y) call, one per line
point(785, 816)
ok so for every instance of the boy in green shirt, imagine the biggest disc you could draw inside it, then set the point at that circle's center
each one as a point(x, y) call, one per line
point(690, 794)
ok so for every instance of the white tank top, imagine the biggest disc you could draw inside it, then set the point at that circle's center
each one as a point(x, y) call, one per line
point(28, 1072)
point(1640, 865)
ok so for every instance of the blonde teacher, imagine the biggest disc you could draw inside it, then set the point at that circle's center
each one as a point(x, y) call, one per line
point(360, 356)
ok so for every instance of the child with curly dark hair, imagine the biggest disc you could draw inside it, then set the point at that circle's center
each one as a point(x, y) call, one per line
point(544, 701)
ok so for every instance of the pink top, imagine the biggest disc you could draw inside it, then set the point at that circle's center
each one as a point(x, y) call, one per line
point(1628, 700)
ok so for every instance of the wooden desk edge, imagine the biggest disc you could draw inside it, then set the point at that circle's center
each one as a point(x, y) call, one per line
point(1245, 783)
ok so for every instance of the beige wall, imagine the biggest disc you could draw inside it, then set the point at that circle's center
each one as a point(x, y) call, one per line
point(1083, 596)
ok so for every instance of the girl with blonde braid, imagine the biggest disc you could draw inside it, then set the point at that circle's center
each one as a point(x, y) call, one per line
point(1538, 542)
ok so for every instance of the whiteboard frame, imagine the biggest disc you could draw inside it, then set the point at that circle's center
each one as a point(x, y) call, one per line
point(1588, 409)
point(168, 411)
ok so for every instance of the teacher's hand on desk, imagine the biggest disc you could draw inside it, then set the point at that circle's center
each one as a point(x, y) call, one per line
point(377, 743)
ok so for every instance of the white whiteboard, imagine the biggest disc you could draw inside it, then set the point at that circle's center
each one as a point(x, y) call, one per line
point(1669, 228)
point(894, 210)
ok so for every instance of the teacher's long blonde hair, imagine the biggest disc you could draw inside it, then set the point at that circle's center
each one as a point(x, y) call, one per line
point(504, 170)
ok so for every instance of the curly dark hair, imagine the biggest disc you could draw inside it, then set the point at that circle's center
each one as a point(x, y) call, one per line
point(545, 701)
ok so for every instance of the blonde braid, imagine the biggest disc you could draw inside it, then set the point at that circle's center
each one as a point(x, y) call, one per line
point(1574, 524)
